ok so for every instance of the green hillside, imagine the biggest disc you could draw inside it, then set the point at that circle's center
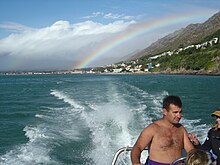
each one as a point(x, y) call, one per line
point(191, 60)
point(199, 58)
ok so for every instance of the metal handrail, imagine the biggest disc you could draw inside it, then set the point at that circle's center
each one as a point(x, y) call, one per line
point(121, 150)
point(125, 149)
point(178, 161)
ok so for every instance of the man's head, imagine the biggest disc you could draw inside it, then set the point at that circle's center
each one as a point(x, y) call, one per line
point(175, 100)
point(172, 109)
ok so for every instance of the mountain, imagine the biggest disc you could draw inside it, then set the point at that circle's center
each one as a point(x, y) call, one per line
point(202, 58)
point(124, 58)
point(192, 34)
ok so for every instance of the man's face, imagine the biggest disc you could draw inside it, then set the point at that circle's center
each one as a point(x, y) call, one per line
point(174, 114)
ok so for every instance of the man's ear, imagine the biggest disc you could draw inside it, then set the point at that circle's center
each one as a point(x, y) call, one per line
point(164, 111)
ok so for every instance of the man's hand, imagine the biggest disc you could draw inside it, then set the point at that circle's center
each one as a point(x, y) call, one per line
point(193, 138)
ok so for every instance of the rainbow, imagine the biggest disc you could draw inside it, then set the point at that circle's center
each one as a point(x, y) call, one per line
point(142, 28)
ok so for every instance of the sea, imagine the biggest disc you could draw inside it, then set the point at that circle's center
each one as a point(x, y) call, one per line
point(83, 119)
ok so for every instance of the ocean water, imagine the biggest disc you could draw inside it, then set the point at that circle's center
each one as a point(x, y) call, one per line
point(85, 119)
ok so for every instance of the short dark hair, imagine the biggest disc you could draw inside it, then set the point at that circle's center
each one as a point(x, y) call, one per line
point(175, 100)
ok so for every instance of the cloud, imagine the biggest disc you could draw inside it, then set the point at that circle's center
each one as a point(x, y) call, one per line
point(59, 46)
point(94, 14)
point(14, 27)
point(64, 45)
point(110, 16)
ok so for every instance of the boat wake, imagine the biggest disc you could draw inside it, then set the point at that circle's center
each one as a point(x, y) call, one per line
point(88, 127)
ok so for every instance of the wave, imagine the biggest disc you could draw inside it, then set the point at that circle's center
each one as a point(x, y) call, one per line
point(34, 152)
point(87, 130)
point(60, 95)
point(117, 122)
point(54, 127)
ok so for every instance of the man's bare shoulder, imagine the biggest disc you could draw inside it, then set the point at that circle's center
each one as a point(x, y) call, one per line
point(182, 128)
point(152, 127)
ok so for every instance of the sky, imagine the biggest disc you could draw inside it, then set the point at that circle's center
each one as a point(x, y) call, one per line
point(68, 34)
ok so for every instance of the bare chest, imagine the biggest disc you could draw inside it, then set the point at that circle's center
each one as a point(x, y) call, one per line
point(169, 139)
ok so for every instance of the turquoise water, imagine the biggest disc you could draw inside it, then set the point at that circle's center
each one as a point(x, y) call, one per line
point(84, 119)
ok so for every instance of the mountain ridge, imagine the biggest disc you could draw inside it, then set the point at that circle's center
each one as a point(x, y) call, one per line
point(191, 34)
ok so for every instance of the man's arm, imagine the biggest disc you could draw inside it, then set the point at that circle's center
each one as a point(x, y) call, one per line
point(193, 139)
point(143, 140)
point(205, 146)
point(188, 146)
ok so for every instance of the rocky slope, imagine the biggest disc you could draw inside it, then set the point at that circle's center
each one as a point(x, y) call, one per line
point(193, 33)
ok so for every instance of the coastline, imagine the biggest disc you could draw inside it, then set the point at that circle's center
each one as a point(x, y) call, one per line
point(193, 73)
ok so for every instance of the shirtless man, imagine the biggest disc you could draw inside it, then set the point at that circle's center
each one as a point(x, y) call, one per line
point(165, 137)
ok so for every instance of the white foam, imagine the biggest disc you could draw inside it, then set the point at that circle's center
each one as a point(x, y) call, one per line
point(109, 124)
point(60, 123)
point(60, 95)
point(194, 126)
point(34, 152)
point(57, 124)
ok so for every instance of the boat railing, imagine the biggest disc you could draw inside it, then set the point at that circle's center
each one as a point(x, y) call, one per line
point(120, 151)
point(178, 161)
